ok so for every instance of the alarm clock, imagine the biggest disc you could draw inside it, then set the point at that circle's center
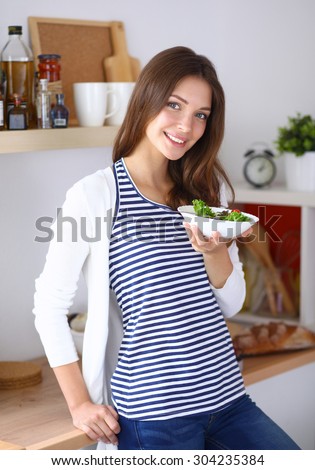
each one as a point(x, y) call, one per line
point(259, 169)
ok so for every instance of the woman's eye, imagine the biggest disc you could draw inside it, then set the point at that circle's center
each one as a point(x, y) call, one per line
point(173, 105)
point(202, 116)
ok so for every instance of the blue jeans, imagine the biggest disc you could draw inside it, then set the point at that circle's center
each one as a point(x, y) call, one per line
point(241, 425)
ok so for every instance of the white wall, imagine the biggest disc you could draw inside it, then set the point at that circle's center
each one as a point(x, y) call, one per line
point(264, 54)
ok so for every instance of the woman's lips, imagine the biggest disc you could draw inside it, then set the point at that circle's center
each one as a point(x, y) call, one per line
point(175, 139)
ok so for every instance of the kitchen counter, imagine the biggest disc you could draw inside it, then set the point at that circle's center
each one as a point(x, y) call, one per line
point(37, 417)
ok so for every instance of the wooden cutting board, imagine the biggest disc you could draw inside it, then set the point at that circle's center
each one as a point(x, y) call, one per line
point(120, 67)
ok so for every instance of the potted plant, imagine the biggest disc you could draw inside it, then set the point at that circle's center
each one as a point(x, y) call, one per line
point(297, 142)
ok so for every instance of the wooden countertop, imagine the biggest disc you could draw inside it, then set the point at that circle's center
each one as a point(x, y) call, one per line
point(38, 418)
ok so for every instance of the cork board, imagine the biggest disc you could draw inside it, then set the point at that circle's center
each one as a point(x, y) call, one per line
point(83, 46)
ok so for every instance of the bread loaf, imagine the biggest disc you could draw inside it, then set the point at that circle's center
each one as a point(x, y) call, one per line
point(272, 337)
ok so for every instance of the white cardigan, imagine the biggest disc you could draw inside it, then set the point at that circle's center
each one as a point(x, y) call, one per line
point(81, 242)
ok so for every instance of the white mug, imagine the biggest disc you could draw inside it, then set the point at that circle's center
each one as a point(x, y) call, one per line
point(91, 102)
point(123, 91)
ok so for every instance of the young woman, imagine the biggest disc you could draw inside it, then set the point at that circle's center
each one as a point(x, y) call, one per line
point(159, 369)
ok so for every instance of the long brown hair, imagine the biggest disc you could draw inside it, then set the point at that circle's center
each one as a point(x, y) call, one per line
point(198, 174)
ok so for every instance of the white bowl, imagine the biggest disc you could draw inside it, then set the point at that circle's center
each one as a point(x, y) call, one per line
point(226, 228)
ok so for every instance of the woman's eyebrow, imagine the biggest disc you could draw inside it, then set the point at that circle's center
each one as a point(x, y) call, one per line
point(205, 108)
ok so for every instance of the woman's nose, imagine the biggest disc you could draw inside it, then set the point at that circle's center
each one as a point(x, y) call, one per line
point(185, 122)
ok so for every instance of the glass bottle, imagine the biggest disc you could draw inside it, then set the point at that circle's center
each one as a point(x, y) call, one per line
point(1, 107)
point(43, 105)
point(59, 113)
point(16, 117)
point(18, 65)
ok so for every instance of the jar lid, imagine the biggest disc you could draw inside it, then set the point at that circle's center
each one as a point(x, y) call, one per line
point(48, 56)
point(15, 29)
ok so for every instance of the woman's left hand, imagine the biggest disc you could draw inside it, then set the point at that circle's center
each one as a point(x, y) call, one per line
point(201, 243)
point(210, 244)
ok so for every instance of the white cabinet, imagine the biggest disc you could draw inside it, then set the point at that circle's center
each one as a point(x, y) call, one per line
point(279, 195)
point(288, 399)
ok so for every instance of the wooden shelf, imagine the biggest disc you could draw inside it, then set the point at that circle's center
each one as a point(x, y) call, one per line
point(34, 140)
point(275, 195)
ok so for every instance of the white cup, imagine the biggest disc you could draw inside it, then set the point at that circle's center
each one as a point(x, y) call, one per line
point(91, 103)
point(123, 91)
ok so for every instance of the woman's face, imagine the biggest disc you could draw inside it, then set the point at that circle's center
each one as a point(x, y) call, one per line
point(182, 121)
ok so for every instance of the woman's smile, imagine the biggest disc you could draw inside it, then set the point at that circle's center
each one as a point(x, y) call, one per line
point(175, 139)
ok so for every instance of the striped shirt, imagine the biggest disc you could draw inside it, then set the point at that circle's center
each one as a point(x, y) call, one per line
point(176, 357)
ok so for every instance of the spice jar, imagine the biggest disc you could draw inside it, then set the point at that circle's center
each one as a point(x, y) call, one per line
point(49, 67)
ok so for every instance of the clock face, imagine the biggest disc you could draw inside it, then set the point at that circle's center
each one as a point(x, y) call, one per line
point(259, 170)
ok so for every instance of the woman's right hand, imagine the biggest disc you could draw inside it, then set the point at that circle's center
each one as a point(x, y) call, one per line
point(99, 422)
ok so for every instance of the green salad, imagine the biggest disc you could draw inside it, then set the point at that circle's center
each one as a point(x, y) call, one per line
point(202, 210)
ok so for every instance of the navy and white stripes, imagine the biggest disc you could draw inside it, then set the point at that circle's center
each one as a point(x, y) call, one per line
point(176, 356)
